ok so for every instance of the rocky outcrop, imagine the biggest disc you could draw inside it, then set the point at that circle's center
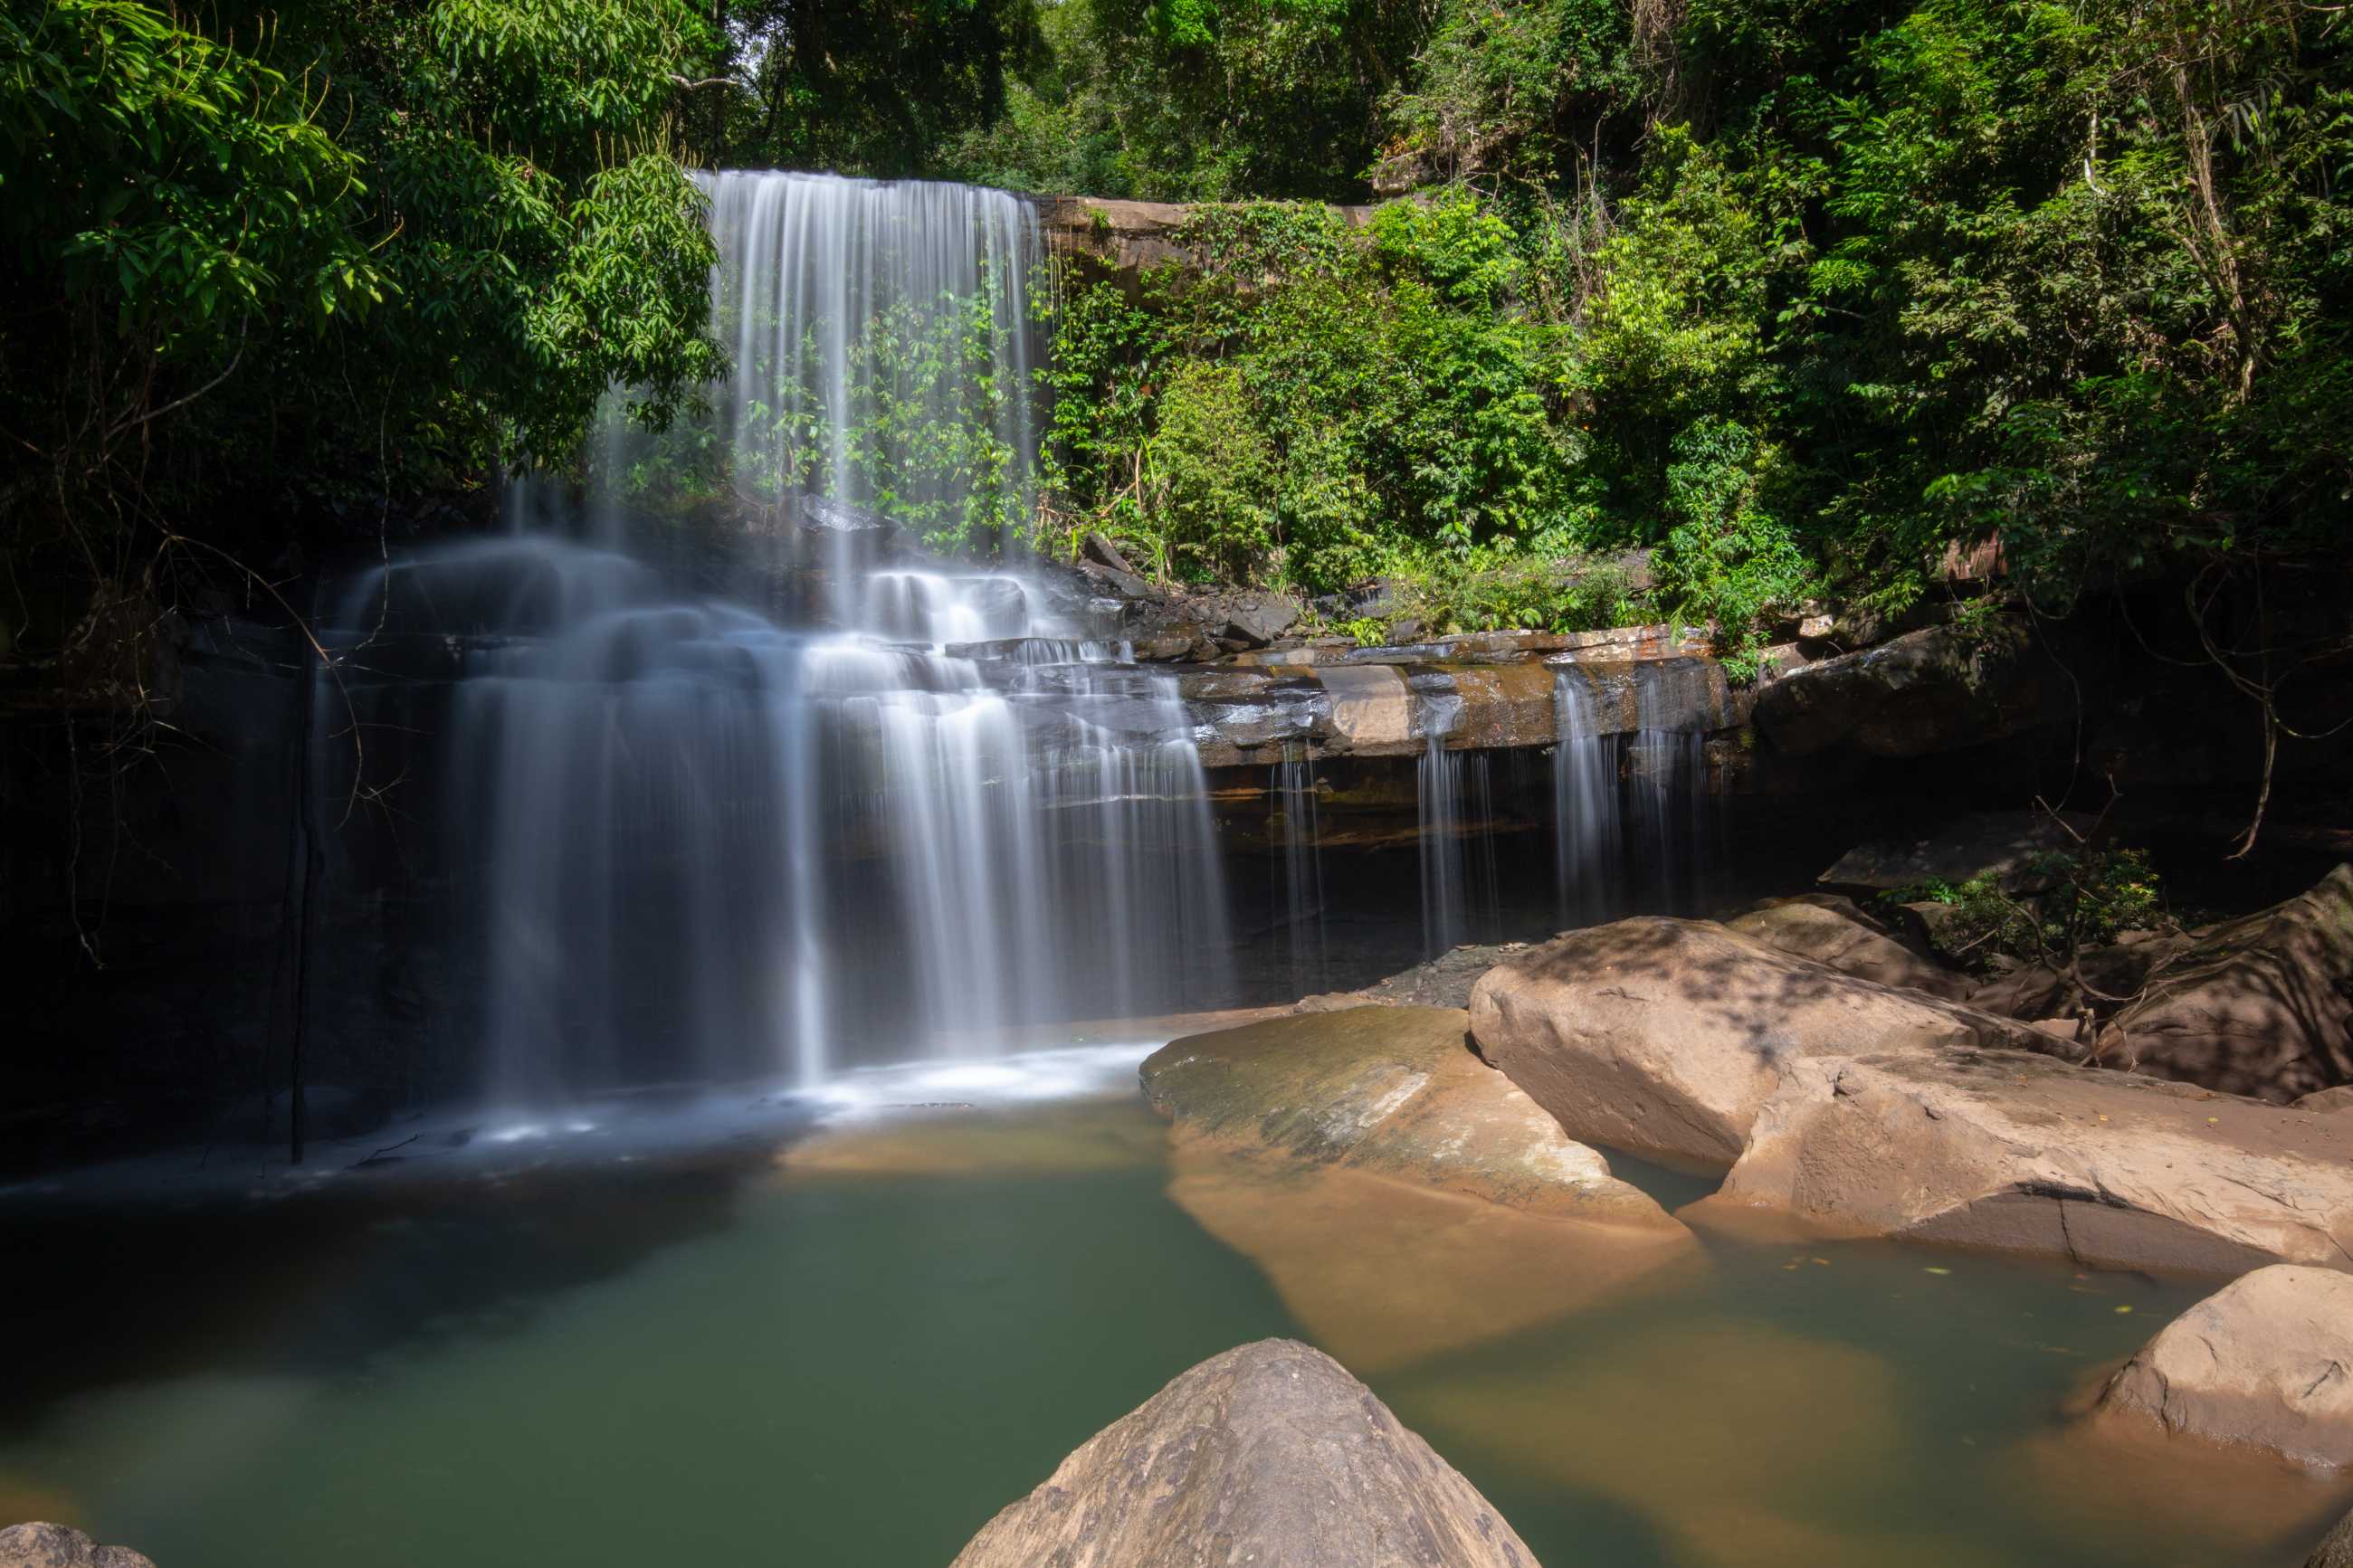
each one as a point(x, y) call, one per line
point(1442, 981)
point(2004, 843)
point(1401, 1196)
point(55, 1546)
point(1663, 1037)
point(1127, 238)
point(2329, 1101)
point(2261, 1006)
point(2099, 975)
point(1834, 931)
point(2019, 1152)
point(1941, 688)
point(1269, 1454)
point(2265, 1362)
point(1388, 1092)
point(2335, 1548)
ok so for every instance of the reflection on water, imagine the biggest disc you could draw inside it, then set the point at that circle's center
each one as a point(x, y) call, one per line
point(856, 1349)
point(1382, 1274)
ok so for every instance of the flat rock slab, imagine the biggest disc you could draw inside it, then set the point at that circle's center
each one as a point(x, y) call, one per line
point(1394, 1093)
point(1269, 1454)
point(2267, 1361)
point(1663, 1037)
point(2019, 1153)
point(2004, 843)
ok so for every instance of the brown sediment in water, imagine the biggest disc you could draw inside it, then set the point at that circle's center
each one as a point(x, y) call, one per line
point(957, 1140)
point(1385, 1273)
point(2238, 1502)
point(1745, 1443)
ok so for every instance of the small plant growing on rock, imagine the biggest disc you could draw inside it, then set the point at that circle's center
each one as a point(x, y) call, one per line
point(2048, 912)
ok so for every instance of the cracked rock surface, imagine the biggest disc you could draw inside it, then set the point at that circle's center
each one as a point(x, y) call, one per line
point(2019, 1153)
point(2268, 1361)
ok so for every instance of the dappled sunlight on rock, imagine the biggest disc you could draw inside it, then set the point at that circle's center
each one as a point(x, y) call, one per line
point(1384, 1274)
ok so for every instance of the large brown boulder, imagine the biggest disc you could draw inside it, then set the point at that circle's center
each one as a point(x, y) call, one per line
point(2261, 1006)
point(1832, 930)
point(1402, 1197)
point(2267, 1361)
point(55, 1546)
point(2019, 1152)
point(1269, 1454)
point(1662, 1036)
point(1937, 689)
point(1391, 1092)
point(2335, 1548)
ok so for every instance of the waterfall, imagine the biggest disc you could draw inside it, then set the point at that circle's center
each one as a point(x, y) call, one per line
point(702, 843)
point(1638, 822)
point(1296, 838)
point(1456, 808)
point(1589, 843)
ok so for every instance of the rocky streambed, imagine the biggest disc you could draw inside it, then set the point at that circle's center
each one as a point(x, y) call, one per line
point(1842, 1084)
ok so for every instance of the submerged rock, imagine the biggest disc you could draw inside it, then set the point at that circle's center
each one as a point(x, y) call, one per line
point(2266, 1362)
point(1663, 1037)
point(1269, 1454)
point(55, 1546)
point(1390, 1091)
point(2019, 1153)
point(1835, 931)
point(2261, 1006)
point(1402, 1197)
point(2335, 1548)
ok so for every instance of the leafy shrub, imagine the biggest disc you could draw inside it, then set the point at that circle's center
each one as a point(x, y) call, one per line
point(2086, 899)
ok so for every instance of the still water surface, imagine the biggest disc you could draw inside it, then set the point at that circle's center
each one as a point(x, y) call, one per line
point(854, 1351)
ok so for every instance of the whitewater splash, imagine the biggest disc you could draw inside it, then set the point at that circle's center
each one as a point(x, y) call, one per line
point(707, 843)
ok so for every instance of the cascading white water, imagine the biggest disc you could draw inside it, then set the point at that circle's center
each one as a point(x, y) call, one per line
point(710, 846)
point(1589, 842)
point(1637, 824)
point(1456, 808)
point(1294, 832)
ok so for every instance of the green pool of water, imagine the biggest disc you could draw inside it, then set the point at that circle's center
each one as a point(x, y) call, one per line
point(858, 1365)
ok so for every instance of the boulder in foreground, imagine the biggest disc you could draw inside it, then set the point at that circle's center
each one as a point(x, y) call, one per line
point(55, 1546)
point(1662, 1036)
point(1391, 1092)
point(2261, 1006)
point(2267, 1361)
point(1269, 1454)
point(2019, 1153)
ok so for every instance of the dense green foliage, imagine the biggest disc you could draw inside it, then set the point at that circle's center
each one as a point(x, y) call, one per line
point(1799, 297)
point(265, 269)
point(1802, 298)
